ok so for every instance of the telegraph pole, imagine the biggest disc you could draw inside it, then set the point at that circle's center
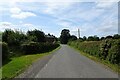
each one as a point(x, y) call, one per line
point(78, 33)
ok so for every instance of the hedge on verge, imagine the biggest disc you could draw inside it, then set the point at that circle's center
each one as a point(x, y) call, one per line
point(5, 52)
point(35, 47)
point(108, 49)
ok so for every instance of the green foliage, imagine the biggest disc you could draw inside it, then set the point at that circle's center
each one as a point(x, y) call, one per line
point(30, 48)
point(114, 52)
point(35, 47)
point(102, 38)
point(91, 47)
point(20, 43)
point(5, 52)
point(36, 35)
point(116, 36)
point(18, 64)
point(109, 37)
point(72, 38)
point(49, 47)
point(108, 49)
point(104, 47)
point(13, 37)
point(93, 38)
point(65, 35)
point(84, 38)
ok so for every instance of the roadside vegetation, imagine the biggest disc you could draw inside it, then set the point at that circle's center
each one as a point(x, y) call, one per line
point(106, 51)
point(21, 49)
point(65, 36)
point(17, 43)
point(18, 64)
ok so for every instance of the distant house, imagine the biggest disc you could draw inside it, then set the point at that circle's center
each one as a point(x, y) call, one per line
point(50, 39)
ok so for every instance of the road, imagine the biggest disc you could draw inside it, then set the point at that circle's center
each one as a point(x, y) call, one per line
point(68, 63)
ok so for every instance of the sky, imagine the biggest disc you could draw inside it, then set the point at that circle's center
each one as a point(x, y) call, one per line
point(92, 17)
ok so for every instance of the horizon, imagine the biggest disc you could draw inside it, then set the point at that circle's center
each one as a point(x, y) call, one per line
point(92, 18)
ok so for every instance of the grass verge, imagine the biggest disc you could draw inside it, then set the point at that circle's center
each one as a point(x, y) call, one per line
point(114, 67)
point(19, 64)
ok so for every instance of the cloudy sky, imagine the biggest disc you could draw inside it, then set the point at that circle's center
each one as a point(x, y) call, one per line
point(98, 17)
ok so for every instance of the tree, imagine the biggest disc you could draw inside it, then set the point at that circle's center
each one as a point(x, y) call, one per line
point(109, 37)
point(84, 38)
point(6, 34)
point(13, 37)
point(36, 35)
point(116, 36)
point(80, 39)
point(5, 52)
point(93, 38)
point(102, 38)
point(65, 35)
point(73, 37)
point(9, 37)
point(50, 38)
point(90, 38)
point(96, 38)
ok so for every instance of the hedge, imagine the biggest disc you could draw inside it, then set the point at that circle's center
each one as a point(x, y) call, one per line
point(114, 52)
point(108, 49)
point(35, 47)
point(5, 52)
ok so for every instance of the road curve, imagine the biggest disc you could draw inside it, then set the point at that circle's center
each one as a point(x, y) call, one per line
point(68, 63)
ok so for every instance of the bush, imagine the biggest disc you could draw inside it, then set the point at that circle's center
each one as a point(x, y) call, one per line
point(13, 38)
point(104, 48)
point(30, 48)
point(90, 47)
point(108, 49)
point(5, 52)
point(36, 35)
point(35, 47)
point(114, 52)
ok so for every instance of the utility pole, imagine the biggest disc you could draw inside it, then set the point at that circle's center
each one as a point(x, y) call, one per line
point(78, 33)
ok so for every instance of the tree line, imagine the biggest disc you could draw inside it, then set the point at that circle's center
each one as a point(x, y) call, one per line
point(105, 48)
point(65, 37)
point(17, 43)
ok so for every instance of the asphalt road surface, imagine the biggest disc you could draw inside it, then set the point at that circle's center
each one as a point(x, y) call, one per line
point(68, 63)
